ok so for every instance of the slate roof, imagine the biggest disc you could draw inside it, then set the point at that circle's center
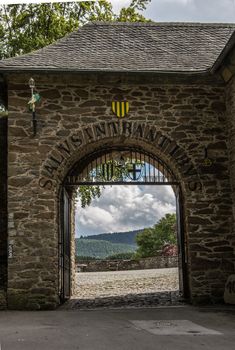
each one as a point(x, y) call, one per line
point(130, 47)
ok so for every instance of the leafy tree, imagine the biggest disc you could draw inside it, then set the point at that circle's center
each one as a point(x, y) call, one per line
point(131, 13)
point(86, 193)
point(120, 256)
point(153, 239)
point(28, 27)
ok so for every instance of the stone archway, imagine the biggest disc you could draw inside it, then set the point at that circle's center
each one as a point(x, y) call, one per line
point(90, 138)
point(167, 118)
point(87, 171)
point(85, 140)
point(41, 288)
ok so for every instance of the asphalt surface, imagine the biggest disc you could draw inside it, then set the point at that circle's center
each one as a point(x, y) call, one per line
point(163, 328)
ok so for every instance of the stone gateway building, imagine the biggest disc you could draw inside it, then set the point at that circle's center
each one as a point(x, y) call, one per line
point(177, 82)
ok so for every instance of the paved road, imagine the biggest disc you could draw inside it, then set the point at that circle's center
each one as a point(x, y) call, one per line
point(114, 283)
point(136, 329)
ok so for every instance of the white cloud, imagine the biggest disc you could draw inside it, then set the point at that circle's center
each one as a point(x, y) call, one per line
point(118, 4)
point(98, 215)
point(186, 10)
point(184, 2)
point(191, 10)
point(124, 208)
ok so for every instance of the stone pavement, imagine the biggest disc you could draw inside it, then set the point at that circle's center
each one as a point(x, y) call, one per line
point(126, 301)
point(118, 283)
point(174, 328)
point(135, 288)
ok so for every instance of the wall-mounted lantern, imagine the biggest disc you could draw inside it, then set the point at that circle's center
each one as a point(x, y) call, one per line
point(35, 97)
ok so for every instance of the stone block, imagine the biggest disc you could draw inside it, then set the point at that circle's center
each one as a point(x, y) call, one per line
point(229, 292)
point(17, 299)
point(3, 301)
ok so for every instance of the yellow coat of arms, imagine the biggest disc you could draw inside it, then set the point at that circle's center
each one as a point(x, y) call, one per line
point(120, 108)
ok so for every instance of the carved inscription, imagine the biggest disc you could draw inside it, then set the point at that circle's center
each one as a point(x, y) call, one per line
point(150, 134)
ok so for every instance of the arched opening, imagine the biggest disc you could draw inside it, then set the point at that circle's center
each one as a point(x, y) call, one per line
point(116, 166)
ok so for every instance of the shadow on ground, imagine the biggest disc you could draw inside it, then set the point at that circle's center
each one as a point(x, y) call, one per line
point(166, 298)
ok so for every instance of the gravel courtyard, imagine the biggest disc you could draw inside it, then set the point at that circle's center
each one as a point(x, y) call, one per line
point(116, 283)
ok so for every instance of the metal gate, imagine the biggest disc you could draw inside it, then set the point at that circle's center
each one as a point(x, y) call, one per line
point(64, 247)
point(120, 166)
point(182, 256)
point(117, 166)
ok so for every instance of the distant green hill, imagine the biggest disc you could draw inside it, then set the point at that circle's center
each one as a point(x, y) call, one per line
point(116, 237)
point(100, 249)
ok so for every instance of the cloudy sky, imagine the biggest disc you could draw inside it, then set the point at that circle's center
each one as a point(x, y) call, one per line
point(124, 208)
point(187, 10)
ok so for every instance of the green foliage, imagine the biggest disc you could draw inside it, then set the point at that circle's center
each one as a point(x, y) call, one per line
point(121, 256)
point(153, 239)
point(79, 258)
point(28, 27)
point(100, 249)
point(131, 13)
point(86, 193)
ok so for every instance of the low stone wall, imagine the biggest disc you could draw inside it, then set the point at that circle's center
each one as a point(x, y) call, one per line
point(156, 262)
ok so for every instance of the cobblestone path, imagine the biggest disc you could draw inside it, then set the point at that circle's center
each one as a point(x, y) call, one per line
point(118, 283)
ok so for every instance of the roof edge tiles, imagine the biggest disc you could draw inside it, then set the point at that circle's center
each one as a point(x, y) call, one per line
point(157, 24)
point(174, 47)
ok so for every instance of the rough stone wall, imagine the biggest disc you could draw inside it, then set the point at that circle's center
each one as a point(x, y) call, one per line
point(72, 247)
point(155, 262)
point(3, 211)
point(230, 111)
point(188, 114)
